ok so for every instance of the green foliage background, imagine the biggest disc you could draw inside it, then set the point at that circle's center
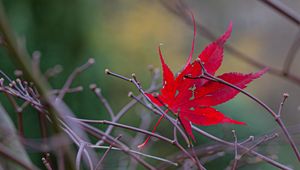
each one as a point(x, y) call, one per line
point(123, 36)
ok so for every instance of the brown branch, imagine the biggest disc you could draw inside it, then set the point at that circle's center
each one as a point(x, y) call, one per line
point(110, 140)
point(46, 164)
point(284, 10)
point(272, 162)
point(241, 147)
point(79, 154)
point(99, 164)
point(72, 76)
point(22, 59)
point(125, 127)
point(53, 71)
point(291, 54)
point(175, 143)
point(260, 141)
point(107, 106)
point(5, 152)
point(179, 8)
point(236, 156)
point(146, 120)
point(263, 140)
point(129, 105)
point(19, 111)
point(277, 117)
point(70, 90)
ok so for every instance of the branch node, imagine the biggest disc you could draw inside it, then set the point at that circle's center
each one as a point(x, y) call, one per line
point(130, 94)
point(91, 61)
point(107, 71)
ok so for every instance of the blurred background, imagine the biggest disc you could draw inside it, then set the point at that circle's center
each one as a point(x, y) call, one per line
point(123, 36)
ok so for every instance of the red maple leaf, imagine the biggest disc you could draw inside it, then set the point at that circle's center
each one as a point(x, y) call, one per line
point(192, 99)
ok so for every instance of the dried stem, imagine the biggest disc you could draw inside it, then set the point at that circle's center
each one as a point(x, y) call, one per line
point(70, 90)
point(79, 154)
point(206, 75)
point(46, 164)
point(98, 93)
point(145, 123)
point(52, 72)
point(291, 54)
point(126, 127)
point(99, 134)
point(22, 59)
point(175, 143)
point(137, 153)
point(285, 96)
point(263, 140)
point(180, 8)
point(6, 153)
point(241, 147)
point(161, 112)
point(19, 111)
point(122, 112)
point(236, 156)
point(72, 76)
point(98, 167)
point(284, 10)
point(272, 162)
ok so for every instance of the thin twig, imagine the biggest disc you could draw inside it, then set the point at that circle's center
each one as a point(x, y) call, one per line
point(126, 127)
point(249, 139)
point(285, 96)
point(175, 143)
point(277, 117)
point(141, 131)
point(36, 59)
point(72, 76)
point(180, 8)
point(99, 134)
point(79, 153)
point(22, 60)
point(46, 164)
point(265, 139)
point(70, 90)
point(252, 152)
point(236, 156)
point(146, 120)
point(53, 71)
point(138, 153)
point(161, 111)
point(272, 162)
point(284, 10)
point(98, 93)
point(129, 105)
point(99, 164)
point(6, 153)
point(19, 111)
point(291, 54)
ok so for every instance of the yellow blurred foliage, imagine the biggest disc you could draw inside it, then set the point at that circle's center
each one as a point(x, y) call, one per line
point(132, 35)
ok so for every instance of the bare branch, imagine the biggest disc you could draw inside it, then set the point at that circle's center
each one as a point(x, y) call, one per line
point(180, 8)
point(74, 74)
point(284, 10)
point(236, 156)
point(277, 117)
point(291, 54)
point(99, 164)
point(46, 164)
point(52, 72)
point(98, 93)
point(79, 153)
point(5, 152)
